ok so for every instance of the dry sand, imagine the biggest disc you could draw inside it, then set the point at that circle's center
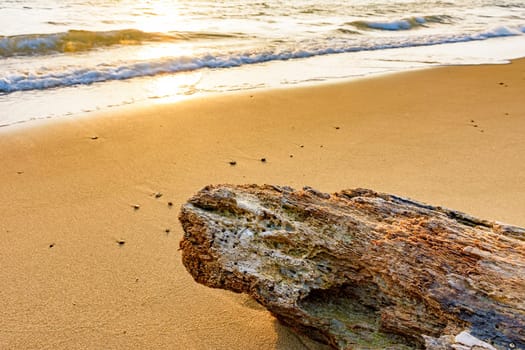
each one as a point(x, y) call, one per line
point(452, 136)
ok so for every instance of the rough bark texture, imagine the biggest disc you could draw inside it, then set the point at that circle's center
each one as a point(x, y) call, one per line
point(359, 269)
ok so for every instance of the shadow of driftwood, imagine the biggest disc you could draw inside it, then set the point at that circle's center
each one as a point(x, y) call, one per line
point(287, 339)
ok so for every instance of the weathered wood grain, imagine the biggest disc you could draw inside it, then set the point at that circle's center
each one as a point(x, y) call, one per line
point(359, 269)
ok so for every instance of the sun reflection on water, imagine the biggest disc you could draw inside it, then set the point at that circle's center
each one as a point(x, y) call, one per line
point(173, 87)
point(156, 16)
point(149, 52)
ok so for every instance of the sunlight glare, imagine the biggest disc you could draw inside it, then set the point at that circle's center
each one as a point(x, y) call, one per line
point(173, 87)
point(164, 50)
point(156, 16)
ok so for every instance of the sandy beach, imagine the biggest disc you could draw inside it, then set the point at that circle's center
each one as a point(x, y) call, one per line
point(82, 268)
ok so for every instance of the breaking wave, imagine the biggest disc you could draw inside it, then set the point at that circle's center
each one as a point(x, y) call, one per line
point(402, 24)
point(68, 76)
point(84, 40)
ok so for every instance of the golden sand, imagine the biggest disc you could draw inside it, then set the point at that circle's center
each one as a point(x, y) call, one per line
point(82, 268)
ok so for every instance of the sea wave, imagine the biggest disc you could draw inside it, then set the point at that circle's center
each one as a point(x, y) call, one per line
point(402, 24)
point(84, 40)
point(23, 81)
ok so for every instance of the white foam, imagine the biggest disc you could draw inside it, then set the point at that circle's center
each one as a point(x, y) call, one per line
point(394, 25)
point(68, 76)
point(501, 31)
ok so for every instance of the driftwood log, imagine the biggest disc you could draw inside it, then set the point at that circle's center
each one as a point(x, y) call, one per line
point(359, 269)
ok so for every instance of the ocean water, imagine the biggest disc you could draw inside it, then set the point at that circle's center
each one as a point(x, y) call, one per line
point(68, 57)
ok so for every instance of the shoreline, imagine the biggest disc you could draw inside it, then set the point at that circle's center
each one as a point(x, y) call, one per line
point(449, 136)
point(40, 105)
